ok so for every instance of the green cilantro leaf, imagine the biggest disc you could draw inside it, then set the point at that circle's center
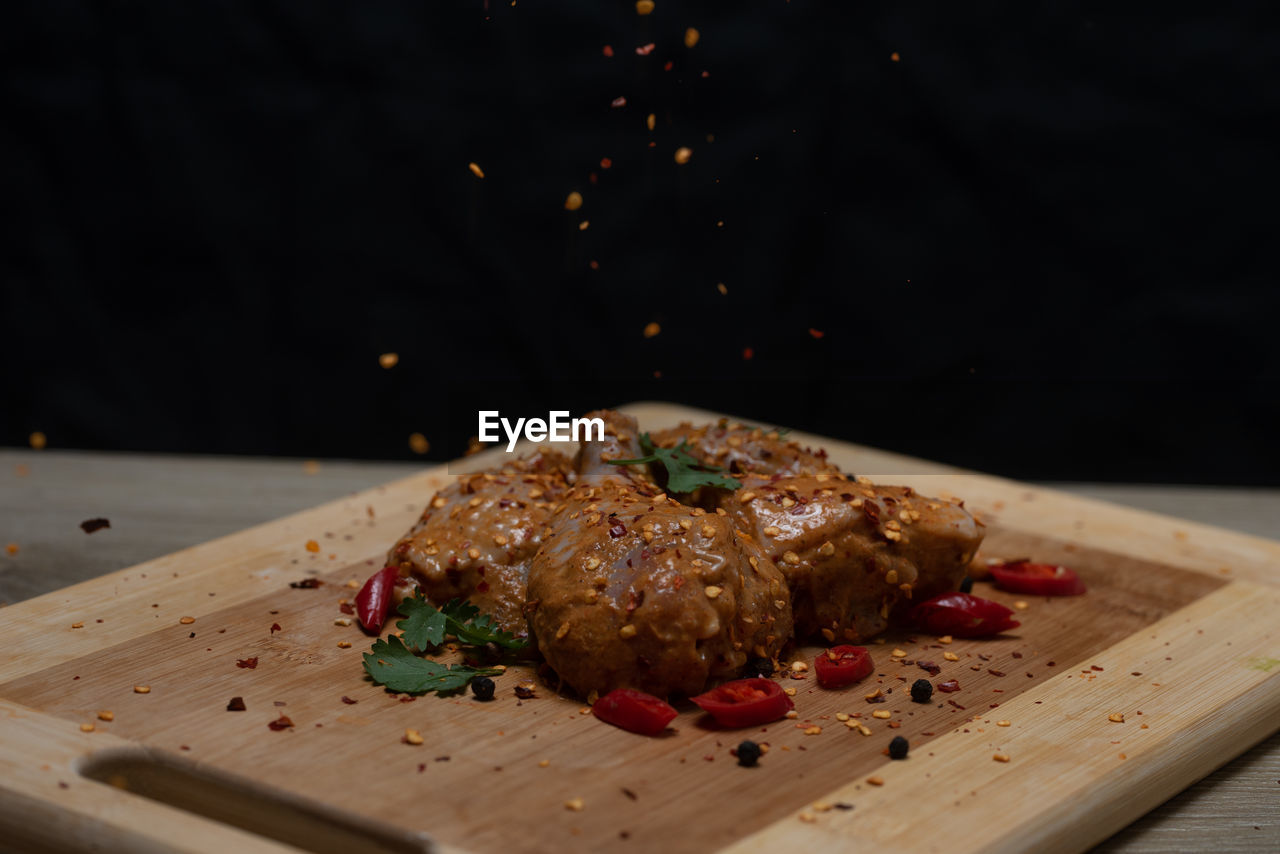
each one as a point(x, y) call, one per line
point(685, 472)
point(427, 626)
point(392, 664)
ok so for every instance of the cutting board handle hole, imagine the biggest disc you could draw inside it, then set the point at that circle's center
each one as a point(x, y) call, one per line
point(244, 804)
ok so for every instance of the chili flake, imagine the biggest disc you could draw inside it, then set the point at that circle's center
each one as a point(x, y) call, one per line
point(11, 548)
point(312, 546)
point(91, 525)
point(247, 663)
point(1116, 717)
point(280, 723)
point(236, 704)
point(651, 330)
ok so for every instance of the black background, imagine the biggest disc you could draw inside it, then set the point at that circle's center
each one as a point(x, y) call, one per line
point(1040, 244)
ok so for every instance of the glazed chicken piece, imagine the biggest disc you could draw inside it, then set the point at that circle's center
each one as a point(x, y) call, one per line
point(477, 536)
point(855, 555)
point(632, 589)
point(740, 449)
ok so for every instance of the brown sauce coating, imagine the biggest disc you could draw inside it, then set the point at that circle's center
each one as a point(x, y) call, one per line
point(477, 536)
point(632, 589)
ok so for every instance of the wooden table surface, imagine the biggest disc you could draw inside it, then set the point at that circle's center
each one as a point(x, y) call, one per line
point(160, 504)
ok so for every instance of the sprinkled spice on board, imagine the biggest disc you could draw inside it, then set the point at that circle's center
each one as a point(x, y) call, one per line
point(949, 686)
point(312, 546)
point(142, 689)
point(281, 723)
point(91, 525)
point(236, 704)
point(306, 584)
point(247, 663)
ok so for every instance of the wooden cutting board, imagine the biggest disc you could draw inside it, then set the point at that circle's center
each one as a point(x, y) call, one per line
point(1179, 633)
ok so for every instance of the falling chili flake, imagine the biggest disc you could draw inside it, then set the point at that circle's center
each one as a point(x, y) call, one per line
point(306, 584)
point(390, 360)
point(312, 546)
point(651, 329)
point(651, 121)
point(594, 265)
point(11, 548)
point(724, 291)
point(668, 65)
point(475, 170)
point(748, 354)
point(645, 49)
point(894, 56)
point(816, 333)
point(584, 225)
point(608, 50)
point(418, 443)
point(280, 723)
point(573, 201)
point(683, 155)
point(620, 101)
point(91, 525)
point(236, 704)
point(605, 163)
point(247, 663)
point(644, 7)
point(38, 440)
point(691, 37)
point(348, 700)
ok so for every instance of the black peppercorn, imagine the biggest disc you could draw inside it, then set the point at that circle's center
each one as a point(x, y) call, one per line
point(482, 687)
point(921, 690)
point(898, 748)
point(758, 667)
point(748, 754)
point(966, 586)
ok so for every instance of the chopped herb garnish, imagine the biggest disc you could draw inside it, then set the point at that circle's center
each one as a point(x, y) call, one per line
point(685, 473)
point(393, 665)
point(427, 626)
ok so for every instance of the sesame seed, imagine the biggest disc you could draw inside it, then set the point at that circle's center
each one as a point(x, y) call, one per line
point(593, 563)
point(77, 625)
point(791, 558)
point(792, 715)
point(772, 531)
point(950, 656)
point(342, 621)
point(479, 173)
point(746, 497)
point(708, 531)
point(799, 667)
point(827, 549)
point(577, 804)
point(683, 155)
point(790, 692)
point(104, 715)
point(344, 644)
point(544, 763)
point(1116, 718)
point(1020, 605)
point(875, 781)
point(474, 554)
point(712, 591)
point(412, 736)
point(142, 689)
point(691, 37)
point(865, 730)
point(186, 621)
point(882, 714)
point(813, 730)
point(573, 201)
point(899, 653)
point(627, 631)
point(1000, 757)
point(1002, 723)
point(945, 639)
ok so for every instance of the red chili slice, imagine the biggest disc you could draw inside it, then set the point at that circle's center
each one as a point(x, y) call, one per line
point(745, 702)
point(634, 711)
point(1037, 579)
point(374, 599)
point(843, 665)
point(963, 615)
